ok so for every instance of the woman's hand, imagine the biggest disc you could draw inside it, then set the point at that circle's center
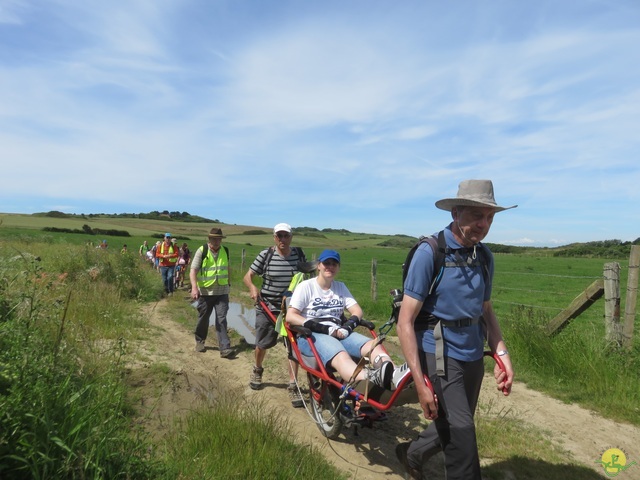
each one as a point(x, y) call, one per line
point(338, 332)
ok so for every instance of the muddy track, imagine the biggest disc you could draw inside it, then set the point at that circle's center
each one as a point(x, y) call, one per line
point(369, 453)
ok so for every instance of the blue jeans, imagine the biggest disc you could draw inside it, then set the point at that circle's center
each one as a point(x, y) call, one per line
point(167, 278)
point(328, 346)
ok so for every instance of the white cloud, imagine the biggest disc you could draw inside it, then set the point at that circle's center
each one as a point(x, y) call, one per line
point(373, 110)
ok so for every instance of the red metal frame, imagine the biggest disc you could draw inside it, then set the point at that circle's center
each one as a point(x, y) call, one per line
point(323, 374)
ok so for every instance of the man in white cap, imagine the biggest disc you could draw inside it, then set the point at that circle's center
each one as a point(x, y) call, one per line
point(442, 333)
point(276, 265)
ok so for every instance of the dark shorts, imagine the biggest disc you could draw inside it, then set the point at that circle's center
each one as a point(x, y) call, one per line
point(266, 335)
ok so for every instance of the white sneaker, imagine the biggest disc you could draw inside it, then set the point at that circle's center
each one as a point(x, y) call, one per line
point(381, 377)
point(398, 375)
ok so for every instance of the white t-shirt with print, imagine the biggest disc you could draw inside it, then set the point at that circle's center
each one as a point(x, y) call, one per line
point(317, 304)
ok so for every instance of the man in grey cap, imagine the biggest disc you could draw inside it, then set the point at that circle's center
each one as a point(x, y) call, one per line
point(442, 333)
point(210, 285)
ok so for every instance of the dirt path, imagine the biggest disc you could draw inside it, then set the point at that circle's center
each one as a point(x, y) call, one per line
point(370, 454)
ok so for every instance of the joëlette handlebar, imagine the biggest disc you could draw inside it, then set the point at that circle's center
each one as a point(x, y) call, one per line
point(498, 360)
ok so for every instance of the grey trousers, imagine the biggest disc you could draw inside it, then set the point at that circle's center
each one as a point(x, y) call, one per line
point(206, 305)
point(453, 431)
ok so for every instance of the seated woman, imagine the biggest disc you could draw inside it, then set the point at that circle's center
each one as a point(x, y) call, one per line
point(318, 304)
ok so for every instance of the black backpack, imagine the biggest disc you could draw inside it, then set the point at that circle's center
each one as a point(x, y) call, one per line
point(440, 249)
point(205, 250)
point(271, 251)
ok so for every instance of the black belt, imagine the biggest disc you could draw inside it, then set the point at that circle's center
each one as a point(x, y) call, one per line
point(428, 321)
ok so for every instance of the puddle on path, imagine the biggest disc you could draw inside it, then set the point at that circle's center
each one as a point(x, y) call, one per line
point(242, 319)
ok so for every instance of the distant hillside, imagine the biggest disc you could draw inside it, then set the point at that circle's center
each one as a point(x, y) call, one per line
point(155, 215)
point(599, 249)
point(612, 249)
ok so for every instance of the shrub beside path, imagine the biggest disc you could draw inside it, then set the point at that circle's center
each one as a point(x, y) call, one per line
point(370, 454)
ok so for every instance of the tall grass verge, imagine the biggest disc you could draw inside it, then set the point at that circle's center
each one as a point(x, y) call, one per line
point(576, 365)
point(65, 316)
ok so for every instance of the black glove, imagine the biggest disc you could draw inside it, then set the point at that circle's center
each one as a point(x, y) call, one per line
point(316, 327)
point(351, 324)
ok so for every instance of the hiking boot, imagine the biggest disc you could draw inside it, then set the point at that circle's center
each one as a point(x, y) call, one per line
point(410, 472)
point(398, 375)
point(294, 396)
point(255, 381)
point(200, 346)
point(381, 377)
point(227, 352)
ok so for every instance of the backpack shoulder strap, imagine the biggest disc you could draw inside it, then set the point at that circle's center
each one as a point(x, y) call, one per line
point(268, 258)
point(439, 247)
point(439, 250)
point(301, 256)
point(205, 252)
point(484, 254)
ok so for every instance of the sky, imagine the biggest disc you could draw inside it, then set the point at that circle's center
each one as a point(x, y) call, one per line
point(329, 114)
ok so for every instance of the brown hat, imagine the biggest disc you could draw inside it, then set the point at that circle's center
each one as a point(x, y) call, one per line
point(216, 233)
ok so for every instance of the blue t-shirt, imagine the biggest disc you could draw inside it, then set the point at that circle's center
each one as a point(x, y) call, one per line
point(460, 294)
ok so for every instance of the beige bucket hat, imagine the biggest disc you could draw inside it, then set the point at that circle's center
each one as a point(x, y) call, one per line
point(473, 193)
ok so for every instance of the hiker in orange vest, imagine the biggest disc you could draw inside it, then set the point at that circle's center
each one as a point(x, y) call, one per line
point(167, 255)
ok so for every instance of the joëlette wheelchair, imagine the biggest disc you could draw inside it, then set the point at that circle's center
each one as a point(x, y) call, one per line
point(337, 403)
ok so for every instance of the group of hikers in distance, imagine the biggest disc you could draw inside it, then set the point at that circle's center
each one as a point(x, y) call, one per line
point(169, 259)
point(445, 320)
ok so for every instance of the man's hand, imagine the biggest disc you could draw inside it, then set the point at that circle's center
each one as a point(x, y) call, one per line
point(428, 402)
point(504, 378)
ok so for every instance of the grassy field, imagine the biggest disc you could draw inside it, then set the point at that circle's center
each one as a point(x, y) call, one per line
point(576, 366)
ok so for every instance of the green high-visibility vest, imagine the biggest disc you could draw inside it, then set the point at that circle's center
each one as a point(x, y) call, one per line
point(214, 270)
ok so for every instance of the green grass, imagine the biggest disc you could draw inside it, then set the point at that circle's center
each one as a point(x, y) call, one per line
point(62, 342)
point(232, 437)
point(62, 409)
point(515, 449)
point(66, 316)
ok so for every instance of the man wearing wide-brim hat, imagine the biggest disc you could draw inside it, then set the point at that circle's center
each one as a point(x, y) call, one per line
point(443, 323)
point(210, 285)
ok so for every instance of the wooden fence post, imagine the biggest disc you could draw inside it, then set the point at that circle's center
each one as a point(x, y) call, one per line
point(632, 292)
point(374, 280)
point(244, 254)
point(612, 327)
point(579, 305)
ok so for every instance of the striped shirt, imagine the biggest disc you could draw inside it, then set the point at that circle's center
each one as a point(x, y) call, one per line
point(277, 275)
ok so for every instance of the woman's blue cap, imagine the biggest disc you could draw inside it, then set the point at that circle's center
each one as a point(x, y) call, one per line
point(328, 255)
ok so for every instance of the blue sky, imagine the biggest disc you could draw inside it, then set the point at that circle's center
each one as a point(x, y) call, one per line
point(328, 114)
